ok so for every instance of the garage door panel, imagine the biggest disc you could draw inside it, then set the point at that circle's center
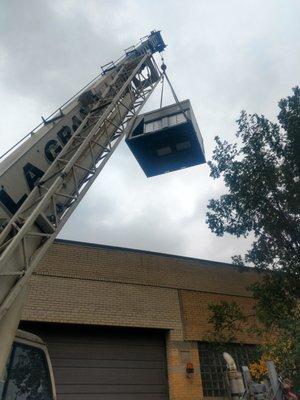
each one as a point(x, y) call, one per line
point(100, 337)
point(115, 396)
point(92, 363)
point(87, 376)
point(100, 363)
point(107, 389)
point(116, 351)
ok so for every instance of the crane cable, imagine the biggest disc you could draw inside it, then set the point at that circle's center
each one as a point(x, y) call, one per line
point(162, 89)
point(165, 76)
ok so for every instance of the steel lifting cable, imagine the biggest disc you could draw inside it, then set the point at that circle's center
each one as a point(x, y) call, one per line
point(162, 89)
point(165, 76)
point(163, 68)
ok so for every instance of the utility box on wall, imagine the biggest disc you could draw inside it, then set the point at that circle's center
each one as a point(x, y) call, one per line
point(167, 139)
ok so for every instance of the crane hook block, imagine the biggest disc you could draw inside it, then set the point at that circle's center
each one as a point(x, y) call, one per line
point(167, 139)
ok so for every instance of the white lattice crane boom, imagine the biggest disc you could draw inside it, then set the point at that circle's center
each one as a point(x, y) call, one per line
point(43, 180)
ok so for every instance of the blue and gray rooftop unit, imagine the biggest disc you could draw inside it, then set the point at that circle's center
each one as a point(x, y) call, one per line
point(167, 139)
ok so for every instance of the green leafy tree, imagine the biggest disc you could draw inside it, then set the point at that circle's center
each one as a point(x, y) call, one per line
point(262, 174)
point(227, 318)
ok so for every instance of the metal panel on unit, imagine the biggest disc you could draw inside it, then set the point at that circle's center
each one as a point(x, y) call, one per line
point(167, 139)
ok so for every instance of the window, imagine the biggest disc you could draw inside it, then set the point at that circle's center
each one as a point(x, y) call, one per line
point(176, 119)
point(213, 365)
point(164, 122)
point(153, 126)
point(27, 376)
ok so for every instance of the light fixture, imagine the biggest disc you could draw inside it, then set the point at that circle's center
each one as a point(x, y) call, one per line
point(189, 369)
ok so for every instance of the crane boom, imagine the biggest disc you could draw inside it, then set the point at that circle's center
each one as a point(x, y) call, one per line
point(44, 179)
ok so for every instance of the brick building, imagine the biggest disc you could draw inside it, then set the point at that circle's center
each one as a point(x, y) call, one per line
point(123, 324)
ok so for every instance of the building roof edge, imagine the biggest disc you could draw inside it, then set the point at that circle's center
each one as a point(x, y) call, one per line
point(153, 253)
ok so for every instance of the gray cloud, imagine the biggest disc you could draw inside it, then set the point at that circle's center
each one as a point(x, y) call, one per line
point(224, 56)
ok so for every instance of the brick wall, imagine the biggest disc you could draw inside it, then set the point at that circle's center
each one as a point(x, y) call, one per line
point(130, 266)
point(100, 285)
point(70, 300)
point(195, 314)
point(181, 385)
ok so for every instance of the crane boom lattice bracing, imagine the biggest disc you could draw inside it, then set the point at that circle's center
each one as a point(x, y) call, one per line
point(33, 225)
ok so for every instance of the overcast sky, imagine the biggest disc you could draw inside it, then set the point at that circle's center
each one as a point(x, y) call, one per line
point(224, 55)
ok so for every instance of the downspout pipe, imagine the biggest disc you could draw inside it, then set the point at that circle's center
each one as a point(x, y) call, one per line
point(234, 378)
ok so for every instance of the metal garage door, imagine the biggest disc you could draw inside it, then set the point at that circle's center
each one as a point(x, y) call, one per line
point(105, 363)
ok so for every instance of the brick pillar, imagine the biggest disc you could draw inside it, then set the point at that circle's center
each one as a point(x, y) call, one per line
point(179, 353)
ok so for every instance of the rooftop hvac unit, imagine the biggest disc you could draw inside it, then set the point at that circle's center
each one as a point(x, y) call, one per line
point(167, 139)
